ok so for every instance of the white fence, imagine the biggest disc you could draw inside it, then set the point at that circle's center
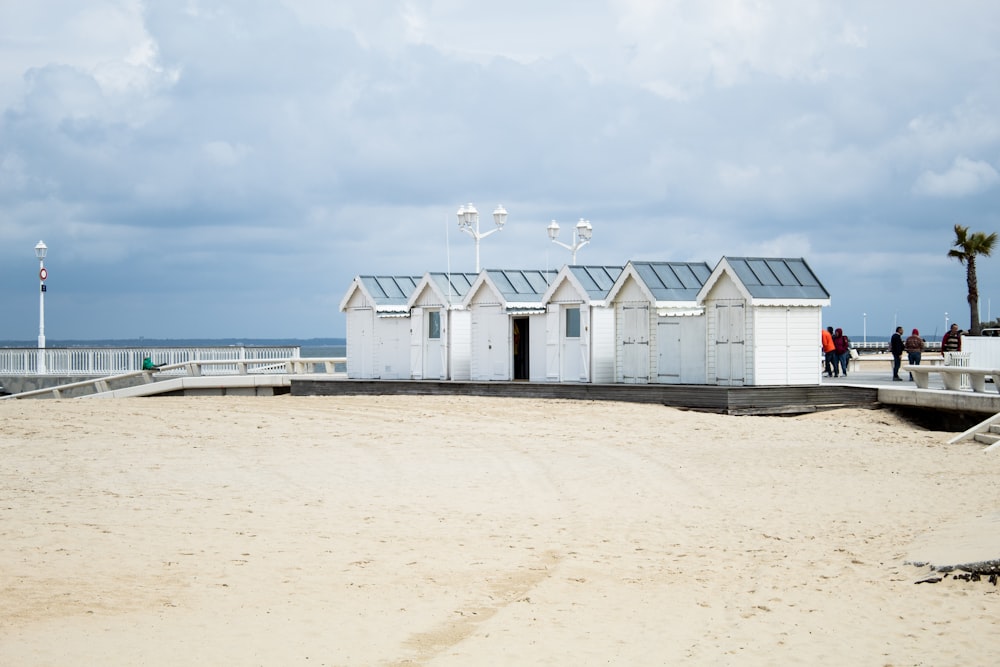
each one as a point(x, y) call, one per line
point(99, 361)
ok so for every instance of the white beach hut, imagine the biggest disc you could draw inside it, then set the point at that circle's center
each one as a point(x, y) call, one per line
point(507, 324)
point(440, 345)
point(763, 321)
point(660, 326)
point(378, 326)
point(579, 325)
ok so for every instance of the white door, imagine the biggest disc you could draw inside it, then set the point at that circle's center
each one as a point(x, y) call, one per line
point(498, 345)
point(668, 346)
point(572, 366)
point(432, 345)
point(490, 350)
point(360, 343)
point(635, 344)
point(729, 344)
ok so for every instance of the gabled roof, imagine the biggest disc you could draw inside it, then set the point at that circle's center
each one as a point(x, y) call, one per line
point(771, 279)
point(518, 288)
point(450, 288)
point(594, 281)
point(666, 282)
point(388, 293)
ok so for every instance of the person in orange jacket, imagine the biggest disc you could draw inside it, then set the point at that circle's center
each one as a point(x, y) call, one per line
point(829, 351)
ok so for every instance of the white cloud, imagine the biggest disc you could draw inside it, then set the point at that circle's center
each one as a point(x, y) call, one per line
point(965, 177)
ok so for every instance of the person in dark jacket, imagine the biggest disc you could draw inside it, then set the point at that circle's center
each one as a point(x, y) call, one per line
point(842, 346)
point(896, 348)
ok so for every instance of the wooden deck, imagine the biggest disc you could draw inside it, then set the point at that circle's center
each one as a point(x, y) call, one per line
point(726, 400)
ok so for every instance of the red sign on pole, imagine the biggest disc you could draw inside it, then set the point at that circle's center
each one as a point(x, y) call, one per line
point(43, 274)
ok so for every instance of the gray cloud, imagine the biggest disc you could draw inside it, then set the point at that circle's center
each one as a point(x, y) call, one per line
point(218, 168)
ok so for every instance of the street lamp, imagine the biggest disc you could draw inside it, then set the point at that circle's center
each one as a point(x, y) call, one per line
point(946, 321)
point(40, 251)
point(581, 235)
point(865, 329)
point(468, 222)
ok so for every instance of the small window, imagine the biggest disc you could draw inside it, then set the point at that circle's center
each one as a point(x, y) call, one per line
point(434, 324)
point(572, 323)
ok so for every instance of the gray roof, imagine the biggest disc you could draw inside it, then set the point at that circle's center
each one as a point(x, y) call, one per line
point(389, 290)
point(521, 286)
point(778, 278)
point(673, 281)
point(455, 284)
point(597, 281)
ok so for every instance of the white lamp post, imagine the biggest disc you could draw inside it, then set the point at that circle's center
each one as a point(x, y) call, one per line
point(865, 328)
point(468, 222)
point(581, 235)
point(40, 251)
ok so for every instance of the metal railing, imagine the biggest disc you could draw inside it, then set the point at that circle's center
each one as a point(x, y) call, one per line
point(86, 361)
point(207, 367)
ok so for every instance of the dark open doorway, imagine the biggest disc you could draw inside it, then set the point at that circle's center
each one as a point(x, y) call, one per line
point(520, 347)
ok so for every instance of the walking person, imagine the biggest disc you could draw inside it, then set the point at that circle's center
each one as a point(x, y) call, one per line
point(896, 347)
point(842, 347)
point(914, 346)
point(829, 351)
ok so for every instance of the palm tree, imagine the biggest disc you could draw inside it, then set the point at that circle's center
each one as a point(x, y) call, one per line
point(966, 247)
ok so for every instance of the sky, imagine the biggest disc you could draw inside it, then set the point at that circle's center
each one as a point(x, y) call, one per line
point(224, 168)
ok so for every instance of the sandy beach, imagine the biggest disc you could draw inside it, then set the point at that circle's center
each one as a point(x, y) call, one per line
point(475, 531)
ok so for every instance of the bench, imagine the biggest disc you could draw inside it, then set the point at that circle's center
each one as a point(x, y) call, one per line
point(952, 376)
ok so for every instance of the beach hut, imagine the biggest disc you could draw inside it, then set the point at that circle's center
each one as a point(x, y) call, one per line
point(378, 326)
point(440, 345)
point(763, 317)
point(579, 325)
point(660, 326)
point(507, 324)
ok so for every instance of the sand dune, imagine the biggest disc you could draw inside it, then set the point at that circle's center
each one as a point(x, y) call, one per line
point(476, 531)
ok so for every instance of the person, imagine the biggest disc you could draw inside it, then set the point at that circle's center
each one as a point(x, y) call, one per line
point(914, 345)
point(829, 352)
point(952, 341)
point(896, 347)
point(842, 347)
point(148, 365)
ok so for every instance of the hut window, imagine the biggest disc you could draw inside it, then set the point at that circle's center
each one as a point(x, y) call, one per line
point(572, 323)
point(434, 324)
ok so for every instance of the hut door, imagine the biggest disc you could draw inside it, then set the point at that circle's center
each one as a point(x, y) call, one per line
point(635, 344)
point(571, 350)
point(729, 343)
point(432, 345)
point(668, 346)
point(520, 349)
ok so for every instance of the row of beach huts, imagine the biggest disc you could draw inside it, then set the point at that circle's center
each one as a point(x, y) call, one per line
point(748, 321)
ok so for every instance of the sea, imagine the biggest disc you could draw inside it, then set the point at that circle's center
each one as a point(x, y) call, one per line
point(308, 347)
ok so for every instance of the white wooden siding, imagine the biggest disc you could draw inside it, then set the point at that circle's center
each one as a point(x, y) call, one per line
point(786, 350)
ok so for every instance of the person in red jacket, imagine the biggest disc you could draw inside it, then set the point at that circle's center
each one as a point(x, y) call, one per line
point(842, 346)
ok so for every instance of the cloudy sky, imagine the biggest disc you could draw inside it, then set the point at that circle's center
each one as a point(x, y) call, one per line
point(224, 168)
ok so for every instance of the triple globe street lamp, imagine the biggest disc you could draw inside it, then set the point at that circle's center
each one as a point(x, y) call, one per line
point(581, 236)
point(468, 222)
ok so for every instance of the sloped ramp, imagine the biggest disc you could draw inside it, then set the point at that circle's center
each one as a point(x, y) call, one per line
point(205, 385)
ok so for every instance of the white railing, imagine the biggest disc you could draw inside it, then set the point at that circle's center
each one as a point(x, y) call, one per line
point(115, 360)
point(214, 367)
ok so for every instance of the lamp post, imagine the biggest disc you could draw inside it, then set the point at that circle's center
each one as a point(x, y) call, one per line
point(468, 222)
point(40, 251)
point(946, 321)
point(581, 235)
point(865, 329)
